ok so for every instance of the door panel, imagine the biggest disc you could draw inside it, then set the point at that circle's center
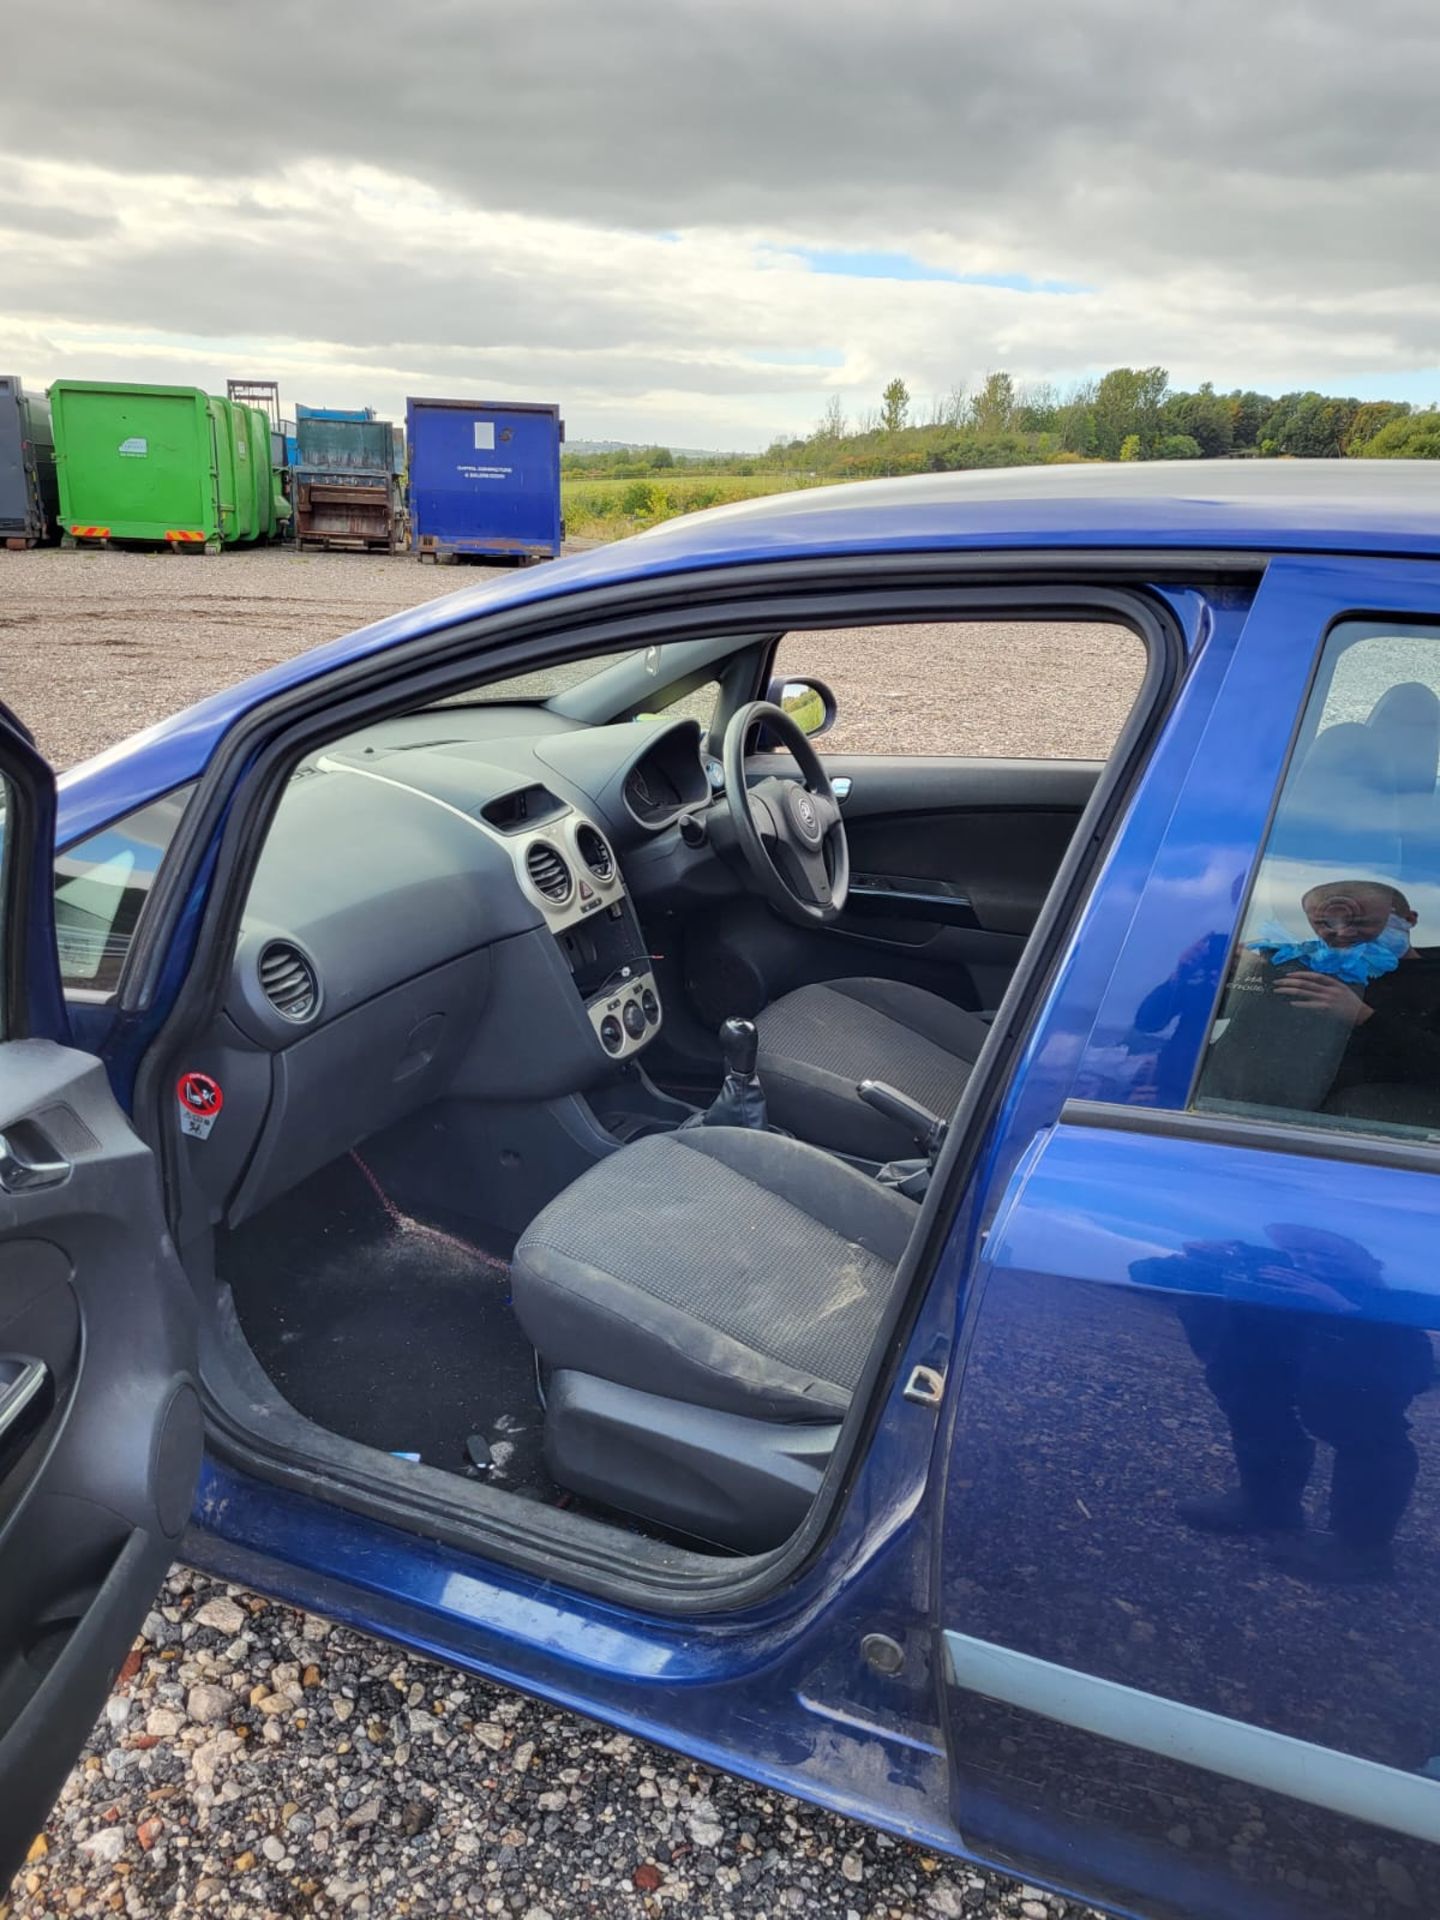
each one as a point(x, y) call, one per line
point(1182, 1719)
point(1164, 1316)
point(987, 836)
point(950, 860)
point(96, 1474)
point(100, 1424)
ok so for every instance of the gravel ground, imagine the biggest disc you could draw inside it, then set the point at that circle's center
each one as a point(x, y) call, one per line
point(95, 645)
point(1051, 690)
point(254, 1761)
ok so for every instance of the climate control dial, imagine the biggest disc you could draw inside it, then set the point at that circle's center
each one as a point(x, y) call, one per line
point(626, 1018)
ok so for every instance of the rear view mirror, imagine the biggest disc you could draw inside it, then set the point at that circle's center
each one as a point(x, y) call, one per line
point(809, 703)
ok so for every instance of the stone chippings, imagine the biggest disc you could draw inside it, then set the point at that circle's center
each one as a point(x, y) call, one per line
point(258, 1762)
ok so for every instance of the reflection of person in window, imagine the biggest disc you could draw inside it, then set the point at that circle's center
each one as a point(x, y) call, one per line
point(1298, 1344)
point(1359, 1033)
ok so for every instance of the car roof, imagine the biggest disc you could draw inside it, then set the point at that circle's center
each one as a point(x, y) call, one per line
point(1207, 501)
point(1235, 506)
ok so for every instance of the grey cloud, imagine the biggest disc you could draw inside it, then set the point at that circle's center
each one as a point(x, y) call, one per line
point(1247, 187)
point(55, 223)
point(311, 289)
point(1100, 138)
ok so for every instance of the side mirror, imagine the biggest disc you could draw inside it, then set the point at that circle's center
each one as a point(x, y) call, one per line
point(809, 703)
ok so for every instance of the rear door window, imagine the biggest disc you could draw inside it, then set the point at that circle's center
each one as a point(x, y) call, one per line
point(1330, 1014)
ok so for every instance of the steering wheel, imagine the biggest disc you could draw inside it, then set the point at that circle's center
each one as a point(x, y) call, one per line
point(789, 831)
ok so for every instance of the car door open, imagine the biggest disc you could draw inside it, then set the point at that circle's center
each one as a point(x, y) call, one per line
point(100, 1422)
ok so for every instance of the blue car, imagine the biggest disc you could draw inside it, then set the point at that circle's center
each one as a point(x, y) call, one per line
point(909, 1278)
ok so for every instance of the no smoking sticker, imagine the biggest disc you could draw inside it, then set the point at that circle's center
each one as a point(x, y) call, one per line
point(200, 1103)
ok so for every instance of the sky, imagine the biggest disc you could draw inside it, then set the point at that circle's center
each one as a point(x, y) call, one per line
point(696, 223)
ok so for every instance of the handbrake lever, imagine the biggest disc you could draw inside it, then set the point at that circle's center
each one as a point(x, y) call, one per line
point(928, 1128)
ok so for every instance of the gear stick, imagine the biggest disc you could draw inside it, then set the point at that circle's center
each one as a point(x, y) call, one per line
point(741, 1101)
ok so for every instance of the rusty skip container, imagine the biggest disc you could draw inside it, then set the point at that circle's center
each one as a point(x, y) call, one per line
point(29, 504)
point(343, 488)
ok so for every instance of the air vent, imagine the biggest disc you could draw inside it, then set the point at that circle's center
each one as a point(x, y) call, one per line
point(548, 872)
point(594, 850)
point(288, 981)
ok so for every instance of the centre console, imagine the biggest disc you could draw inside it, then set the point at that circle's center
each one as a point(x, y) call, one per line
point(569, 870)
point(609, 963)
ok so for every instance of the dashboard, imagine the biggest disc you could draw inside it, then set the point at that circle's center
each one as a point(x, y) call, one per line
point(445, 904)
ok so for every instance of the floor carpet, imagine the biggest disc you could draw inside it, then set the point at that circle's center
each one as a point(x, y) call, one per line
point(392, 1331)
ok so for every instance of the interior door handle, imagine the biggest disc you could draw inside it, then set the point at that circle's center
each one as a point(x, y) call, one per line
point(22, 1170)
point(21, 1382)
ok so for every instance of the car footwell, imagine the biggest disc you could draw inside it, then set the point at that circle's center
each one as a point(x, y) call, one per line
point(394, 1331)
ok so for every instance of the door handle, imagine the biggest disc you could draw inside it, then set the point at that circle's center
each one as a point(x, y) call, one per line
point(23, 1171)
point(21, 1382)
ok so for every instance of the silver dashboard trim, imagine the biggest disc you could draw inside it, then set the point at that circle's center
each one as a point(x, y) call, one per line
point(613, 1003)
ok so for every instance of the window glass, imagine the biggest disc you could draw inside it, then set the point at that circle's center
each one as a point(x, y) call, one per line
point(1008, 690)
point(1331, 1008)
point(541, 685)
point(698, 704)
point(101, 886)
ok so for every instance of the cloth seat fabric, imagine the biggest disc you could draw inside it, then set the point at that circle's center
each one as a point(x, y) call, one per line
point(819, 1042)
point(721, 1267)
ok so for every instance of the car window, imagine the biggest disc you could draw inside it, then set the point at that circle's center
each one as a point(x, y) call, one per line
point(699, 703)
point(1330, 1014)
point(1013, 690)
point(541, 685)
point(101, 886)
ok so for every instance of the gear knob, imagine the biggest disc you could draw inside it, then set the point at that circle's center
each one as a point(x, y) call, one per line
point(740, 1044)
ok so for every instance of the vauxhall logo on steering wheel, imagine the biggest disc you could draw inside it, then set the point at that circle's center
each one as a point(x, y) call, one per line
point(806, 816)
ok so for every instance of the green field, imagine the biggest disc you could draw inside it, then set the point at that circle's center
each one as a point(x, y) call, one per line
point(603, 509)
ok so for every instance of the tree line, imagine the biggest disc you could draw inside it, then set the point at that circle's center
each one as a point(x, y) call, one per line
point(1130, 413)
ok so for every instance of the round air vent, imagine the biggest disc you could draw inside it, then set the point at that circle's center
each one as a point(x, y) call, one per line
point(594, 849)
point(549, 875)
point(288, 981)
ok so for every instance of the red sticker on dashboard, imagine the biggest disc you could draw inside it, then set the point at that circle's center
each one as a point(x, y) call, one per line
point(200, 1100)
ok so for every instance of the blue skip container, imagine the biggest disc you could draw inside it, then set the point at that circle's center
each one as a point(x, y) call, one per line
point(484, 479)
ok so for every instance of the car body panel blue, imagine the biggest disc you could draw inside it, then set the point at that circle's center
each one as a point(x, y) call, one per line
point(1120, 1271)
point(1123, 1280)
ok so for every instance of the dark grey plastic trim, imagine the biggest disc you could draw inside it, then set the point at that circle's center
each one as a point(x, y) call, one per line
point(741, 1483)
point(1343, 1783)
point(1306, 1142)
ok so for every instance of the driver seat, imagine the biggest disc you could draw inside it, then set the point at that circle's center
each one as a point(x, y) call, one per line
point(819, 1042)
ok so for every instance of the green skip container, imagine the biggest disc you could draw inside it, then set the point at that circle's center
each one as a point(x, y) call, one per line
point(168, 466)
